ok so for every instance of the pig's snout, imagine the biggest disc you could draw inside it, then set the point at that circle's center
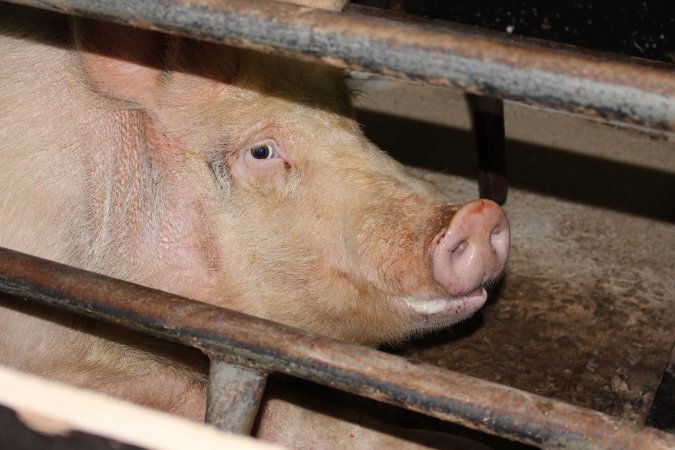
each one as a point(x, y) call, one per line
point(472, 250)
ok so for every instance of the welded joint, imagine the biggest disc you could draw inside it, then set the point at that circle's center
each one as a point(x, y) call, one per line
point(234, 396)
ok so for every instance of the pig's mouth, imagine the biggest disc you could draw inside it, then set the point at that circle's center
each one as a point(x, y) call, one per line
point(438, 312)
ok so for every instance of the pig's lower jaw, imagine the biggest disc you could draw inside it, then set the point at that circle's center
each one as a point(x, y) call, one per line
point(439, 312)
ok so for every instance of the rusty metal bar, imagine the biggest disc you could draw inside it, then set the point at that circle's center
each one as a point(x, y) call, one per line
point(488, 129)
point(266, 346)
point(234, 396)
point(609, 87)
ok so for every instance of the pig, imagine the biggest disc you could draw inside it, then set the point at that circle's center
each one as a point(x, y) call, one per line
point(233, 177)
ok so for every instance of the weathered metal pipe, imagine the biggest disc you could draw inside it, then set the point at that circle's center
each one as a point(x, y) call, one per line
point(234, 396)
point(609, 87)
point(266, 346)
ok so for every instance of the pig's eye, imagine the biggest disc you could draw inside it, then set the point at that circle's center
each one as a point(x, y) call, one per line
point(265, 151)
point(263, 157)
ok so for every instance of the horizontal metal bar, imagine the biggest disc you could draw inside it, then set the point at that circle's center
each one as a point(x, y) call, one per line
point(263, 345)
point(609, 87)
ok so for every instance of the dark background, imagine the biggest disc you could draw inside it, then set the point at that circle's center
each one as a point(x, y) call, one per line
point(644, 29)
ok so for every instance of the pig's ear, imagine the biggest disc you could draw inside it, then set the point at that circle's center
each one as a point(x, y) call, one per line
point(121, 62)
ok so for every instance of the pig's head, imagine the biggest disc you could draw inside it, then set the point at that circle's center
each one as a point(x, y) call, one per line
point(257, 191)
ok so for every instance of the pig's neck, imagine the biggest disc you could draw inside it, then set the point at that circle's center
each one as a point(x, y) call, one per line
point(143, 219)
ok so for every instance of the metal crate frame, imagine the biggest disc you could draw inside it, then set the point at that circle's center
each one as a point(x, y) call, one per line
point(244, 349)
point(562, 77)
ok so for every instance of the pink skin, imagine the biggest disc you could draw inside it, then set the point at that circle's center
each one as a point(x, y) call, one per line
point(472, 251)
point(233, 177)
point(465, 257)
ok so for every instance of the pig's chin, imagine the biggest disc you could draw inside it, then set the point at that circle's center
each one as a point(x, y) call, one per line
point(435, 313)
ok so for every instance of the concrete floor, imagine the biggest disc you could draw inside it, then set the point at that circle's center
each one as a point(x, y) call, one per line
point(586, 312)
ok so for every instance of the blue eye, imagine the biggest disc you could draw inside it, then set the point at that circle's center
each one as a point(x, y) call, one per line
point(262, 152)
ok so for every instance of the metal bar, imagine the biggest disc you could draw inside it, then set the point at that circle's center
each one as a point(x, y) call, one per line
point(263, 345)
point(609, 87)
point(662, 412)
point(488, 128)
point(234, 396)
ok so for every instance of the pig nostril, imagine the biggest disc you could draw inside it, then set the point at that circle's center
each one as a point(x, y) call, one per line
point(473, 248)
point(499, 239)
point(459, 248)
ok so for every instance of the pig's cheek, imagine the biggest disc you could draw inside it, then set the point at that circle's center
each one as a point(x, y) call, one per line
point(272, 175)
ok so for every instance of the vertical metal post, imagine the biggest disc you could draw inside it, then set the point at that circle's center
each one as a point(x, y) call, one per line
point(662, 412)
point(488, 126)
point(234, 397)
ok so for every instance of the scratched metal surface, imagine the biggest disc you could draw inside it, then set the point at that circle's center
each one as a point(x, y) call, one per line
point(600, 85)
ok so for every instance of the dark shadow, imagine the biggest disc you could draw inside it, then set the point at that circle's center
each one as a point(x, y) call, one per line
point(641, 29)
point(569, 176)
